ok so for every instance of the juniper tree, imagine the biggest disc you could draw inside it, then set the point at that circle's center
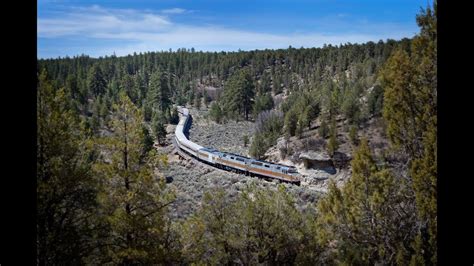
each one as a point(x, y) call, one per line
point(366, 221)
point(245, 231)
point(410, 110)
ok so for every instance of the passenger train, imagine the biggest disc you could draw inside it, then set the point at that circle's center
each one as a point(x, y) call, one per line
point(230, 161)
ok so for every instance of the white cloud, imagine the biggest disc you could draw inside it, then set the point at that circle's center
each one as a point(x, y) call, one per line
point(173, 11)
point(151, 32)
point(95, 21)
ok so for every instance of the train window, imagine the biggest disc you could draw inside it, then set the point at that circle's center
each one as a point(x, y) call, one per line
point(278, 167)
point(232, 157)
point(267, 166)
point(257, 163)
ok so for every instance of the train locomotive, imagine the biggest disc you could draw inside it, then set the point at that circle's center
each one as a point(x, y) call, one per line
point(229, 161)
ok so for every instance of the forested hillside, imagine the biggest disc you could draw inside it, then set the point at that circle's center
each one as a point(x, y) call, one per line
point(103, 198)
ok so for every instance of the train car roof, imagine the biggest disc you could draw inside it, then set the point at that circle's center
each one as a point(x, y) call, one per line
point(265, 162)
point(255, 160)
point(233, 154)
point(209, 149)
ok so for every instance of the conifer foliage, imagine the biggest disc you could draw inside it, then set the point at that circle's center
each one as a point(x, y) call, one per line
point(101, 198)
point(66, 188)
point(366, 221)
point(133, 198)
point(410, 109)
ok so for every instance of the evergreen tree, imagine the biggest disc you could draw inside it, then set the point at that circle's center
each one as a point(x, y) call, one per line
point(96, 82)
point(277, 89)
point(353, 135)
point(351, 107)
point(133, 198)
point(323, 129)
point(366, 222)
point(262, 103)
point(375, 101)
point(410, 110)
point(239, 93)
point(174, 116)
point(66, 189)
point(159, 94)
point(333, 144)
point(216, 112)
point(291, 121)
point(247, 231)
point(158, 126)
point(127, 84)
point(147, 143)
point(265, 83)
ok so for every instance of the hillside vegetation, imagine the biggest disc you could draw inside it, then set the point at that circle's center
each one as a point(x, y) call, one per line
point(104, 197)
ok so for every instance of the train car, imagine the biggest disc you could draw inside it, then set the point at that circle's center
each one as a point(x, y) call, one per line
point(277, 171)
point(232, 161)
point(208, 155)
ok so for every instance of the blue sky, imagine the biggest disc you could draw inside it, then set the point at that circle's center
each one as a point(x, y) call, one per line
point(99, 28)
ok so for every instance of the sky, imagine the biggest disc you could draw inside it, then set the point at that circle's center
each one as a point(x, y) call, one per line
point(100, 28)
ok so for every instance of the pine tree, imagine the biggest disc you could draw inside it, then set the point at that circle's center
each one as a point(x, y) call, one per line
point(127, 84)
point(262, 103)
point(353, 135)
point(158, 126)
point(239, 93)
point(291, 120)
point(96, 82)
point(159, 94)
point(174, 119)
point(147, 143)
point(133, 198)
point(66, 189)
point(323, 129)
point(333, 144)
point(216, 112)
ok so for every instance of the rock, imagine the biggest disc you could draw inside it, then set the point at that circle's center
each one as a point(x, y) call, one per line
point(317, 160)
point(281, 143)
point(315, 156)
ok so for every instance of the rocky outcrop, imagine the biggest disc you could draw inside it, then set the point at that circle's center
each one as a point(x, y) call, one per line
point(316, 160)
